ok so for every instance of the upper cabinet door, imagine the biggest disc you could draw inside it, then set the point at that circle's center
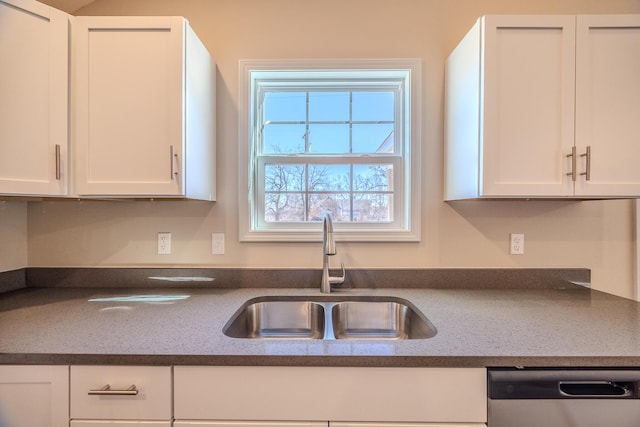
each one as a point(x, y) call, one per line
point(608, 105)
point(509, 113)
point(134, 116)
point(33, 99)
point(144, 109)
point(128, 105)
point(527, 101)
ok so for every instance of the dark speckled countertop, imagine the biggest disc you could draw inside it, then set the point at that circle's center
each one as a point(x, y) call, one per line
point(572, 326)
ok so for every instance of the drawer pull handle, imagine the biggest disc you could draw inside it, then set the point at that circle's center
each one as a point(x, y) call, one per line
point(106, 391)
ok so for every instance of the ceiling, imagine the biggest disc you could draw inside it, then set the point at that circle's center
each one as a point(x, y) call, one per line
point(69, 6)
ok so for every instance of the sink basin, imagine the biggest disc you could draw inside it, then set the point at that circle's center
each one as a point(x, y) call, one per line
point(277, 319)
point(373, 318)
point(379, 320)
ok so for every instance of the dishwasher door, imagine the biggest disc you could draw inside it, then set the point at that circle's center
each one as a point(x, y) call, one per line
point(563, 398)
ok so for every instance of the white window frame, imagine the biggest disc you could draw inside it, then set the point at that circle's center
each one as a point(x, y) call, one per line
point(407, 224)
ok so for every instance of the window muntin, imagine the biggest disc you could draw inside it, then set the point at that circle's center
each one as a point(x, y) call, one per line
point(327, 122)
point(302, 192)
point(334, 140)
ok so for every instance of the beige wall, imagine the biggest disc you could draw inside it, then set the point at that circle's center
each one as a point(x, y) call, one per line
point(595, 234)
point(13, 235)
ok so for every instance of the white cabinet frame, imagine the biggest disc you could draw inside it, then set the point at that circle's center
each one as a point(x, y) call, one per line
point(544, 106)
point(144, 109)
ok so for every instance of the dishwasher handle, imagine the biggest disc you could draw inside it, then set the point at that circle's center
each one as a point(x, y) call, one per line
point(514, 383)
point(582, 389)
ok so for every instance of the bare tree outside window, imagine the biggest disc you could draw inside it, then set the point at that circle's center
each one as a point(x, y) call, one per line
point(351, 193)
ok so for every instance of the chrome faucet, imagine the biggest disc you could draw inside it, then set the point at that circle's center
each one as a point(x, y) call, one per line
point(328, 248)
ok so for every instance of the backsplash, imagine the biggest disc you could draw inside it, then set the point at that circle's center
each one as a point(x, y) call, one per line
point(12, 280)
point(490, 278)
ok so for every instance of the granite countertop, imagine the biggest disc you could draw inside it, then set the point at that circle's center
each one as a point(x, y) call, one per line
point(476, 328)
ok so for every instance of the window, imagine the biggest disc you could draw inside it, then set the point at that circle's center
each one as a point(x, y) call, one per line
point(326, 136)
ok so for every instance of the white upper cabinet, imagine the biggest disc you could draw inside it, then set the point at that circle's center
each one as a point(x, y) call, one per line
point(526, 96)
point(33, 99)
point(608, 104)
point(144, 109)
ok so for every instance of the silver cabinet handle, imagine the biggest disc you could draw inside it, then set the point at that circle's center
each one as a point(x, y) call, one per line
point(587, 173)
point(106, 391)
point(174, 160)
point(572, 174)
point(58, 172)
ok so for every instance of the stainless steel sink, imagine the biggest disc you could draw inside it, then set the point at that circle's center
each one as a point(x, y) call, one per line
point(379, 320)
point(372, 318)
point(277, 319)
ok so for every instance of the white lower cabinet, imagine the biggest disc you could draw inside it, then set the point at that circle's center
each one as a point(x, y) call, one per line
point(310, 424)
point(97, 423)
point(119, 396)
point(356, 397)
point(332, 424)
point(241, 396)
point(33, 396)
point(248, 424)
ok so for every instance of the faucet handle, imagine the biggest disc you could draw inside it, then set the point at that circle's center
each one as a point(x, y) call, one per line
point(338, 279)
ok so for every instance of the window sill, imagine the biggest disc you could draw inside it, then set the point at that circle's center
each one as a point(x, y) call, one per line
point(340, 236)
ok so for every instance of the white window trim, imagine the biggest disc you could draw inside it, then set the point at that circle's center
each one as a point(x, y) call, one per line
point(411, 226)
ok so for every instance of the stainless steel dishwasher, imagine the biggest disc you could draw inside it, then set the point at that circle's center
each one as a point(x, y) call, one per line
point(563, 397)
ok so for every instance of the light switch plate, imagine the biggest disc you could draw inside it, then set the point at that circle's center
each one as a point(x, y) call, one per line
point(217, 243)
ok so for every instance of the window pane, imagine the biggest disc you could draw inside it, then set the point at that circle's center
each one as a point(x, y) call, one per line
point(329, 139)
point(284, 207)
point(328, 106)
point(373, 106)
point(337, 204)
point(280, 138)
point(373, 138)
point(284, 177)
point(372, 207)
point(329, 177)
point(285, 106)
point(373, 177)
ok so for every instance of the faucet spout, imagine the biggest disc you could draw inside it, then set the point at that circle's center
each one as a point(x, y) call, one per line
point(328, 242)
point(328, 249)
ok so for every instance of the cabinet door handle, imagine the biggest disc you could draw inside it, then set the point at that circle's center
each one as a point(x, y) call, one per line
point(107, 391)
point(58, 172)
point(587, 173)
point(572, 174)
point(174, 160)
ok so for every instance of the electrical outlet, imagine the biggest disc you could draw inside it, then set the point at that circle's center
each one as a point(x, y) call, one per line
point(217, 243)
point(164, 243)
point(517, 244)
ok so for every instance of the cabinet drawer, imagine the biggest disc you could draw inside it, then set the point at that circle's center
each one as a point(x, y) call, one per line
point(108, 423)
point(410, 395)
point(152, 401)
point(249, 424)
point(310, 424)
